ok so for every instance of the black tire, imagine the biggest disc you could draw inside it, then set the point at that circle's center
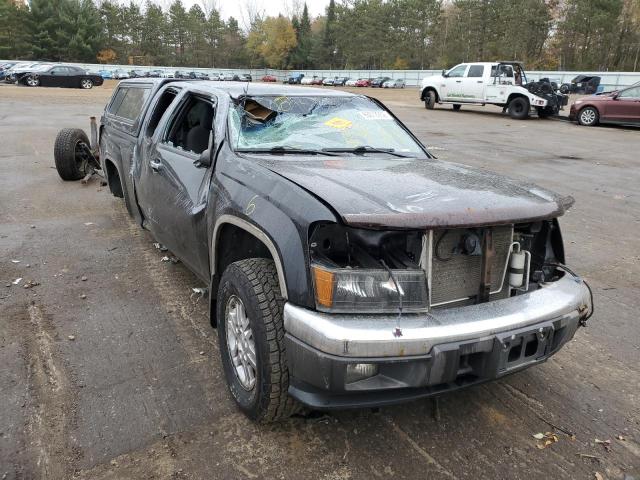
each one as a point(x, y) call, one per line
point(588, 116)
point(430, 100)
point(456, 107)
point(564, 88)
point(255, 282)
point(69, 164)
point(86, 84)
point(519, 108)
point(32, 81)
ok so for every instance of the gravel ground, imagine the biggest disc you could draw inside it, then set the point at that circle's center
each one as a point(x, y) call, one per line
point(110, 369)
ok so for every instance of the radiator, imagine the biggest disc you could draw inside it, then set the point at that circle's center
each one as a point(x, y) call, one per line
point(455, 277)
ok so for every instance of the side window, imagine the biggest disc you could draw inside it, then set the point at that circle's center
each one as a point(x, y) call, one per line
point(458, 71)
point(190, 128)
point(59, 71)
point(475, 71)
point(165, 100)
point(630, 93)
point(128, 102)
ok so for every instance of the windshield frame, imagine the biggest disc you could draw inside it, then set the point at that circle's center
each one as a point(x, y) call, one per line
point(237, 100)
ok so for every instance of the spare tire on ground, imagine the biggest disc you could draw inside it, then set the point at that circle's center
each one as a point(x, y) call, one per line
point(72, 154)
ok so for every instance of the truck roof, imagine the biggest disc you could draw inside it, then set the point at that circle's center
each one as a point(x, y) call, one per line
point(237, 89)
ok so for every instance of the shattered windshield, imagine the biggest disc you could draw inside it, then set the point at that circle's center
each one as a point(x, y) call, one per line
point(317, 123)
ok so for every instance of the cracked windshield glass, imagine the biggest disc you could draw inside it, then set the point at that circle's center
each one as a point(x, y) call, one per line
point(318, 123)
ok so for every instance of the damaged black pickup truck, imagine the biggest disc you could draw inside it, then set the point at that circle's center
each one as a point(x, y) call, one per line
point(347, 267)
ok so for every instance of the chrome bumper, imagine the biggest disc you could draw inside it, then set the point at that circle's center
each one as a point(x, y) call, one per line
point(373, 335)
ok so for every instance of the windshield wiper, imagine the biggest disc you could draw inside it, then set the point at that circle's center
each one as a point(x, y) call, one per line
point(367, 149)
point(282, 150)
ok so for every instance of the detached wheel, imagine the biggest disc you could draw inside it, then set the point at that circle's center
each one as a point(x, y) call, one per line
point(588, 117)
point(32, 81)
point(430, 100)
point(456, 107)
point(519, 108)
point(251, 339)
point(70, 155)
point(86, 83)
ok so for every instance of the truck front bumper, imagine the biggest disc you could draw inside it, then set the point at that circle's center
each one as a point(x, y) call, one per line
point(438, 351)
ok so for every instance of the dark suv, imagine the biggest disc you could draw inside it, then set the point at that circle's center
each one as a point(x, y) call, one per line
point(346, 265)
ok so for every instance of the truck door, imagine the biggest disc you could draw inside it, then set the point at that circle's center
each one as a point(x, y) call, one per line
point(174, 189)
point(495, 89)
point(625, 107)
point(452, 88)
point(473, 83)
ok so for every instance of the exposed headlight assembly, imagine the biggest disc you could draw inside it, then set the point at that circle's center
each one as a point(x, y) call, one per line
point(369, 290)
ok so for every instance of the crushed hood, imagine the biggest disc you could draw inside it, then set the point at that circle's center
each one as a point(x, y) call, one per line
point(416, 193)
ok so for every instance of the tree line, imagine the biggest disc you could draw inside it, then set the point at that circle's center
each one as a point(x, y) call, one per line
point(351, 34)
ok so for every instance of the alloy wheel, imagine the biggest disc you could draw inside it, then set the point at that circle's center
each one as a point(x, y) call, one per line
point(240, 343)
point(588, 116)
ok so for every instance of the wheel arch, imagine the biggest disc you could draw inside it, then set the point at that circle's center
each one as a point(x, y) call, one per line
point(518, 94)
point(429, 88)
point(113, 178)
point(254, 242)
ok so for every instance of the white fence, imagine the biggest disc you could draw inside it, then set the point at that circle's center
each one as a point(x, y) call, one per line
point(609, 80)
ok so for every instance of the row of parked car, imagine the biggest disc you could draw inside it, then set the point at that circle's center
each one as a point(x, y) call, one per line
point(41, 74)
point(378, 82)
point(121, 74)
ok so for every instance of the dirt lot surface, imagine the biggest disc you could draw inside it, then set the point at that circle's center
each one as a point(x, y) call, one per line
point(110, 370)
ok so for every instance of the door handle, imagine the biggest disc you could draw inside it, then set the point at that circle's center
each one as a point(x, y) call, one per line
point(480, 81)
point(156, 165)
point(458, 81)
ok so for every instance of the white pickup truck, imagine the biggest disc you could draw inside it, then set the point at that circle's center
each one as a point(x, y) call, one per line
point(495, 83)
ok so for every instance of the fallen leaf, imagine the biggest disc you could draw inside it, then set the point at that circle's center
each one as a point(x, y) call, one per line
point(71, 337)
point(598, 476)
point(549, 438)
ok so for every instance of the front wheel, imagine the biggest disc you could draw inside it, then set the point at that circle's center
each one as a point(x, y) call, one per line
point(430, 100)
point(86, 83)
point(32, 81)
point(251, 338)
point(588, 117)
point(519, 108)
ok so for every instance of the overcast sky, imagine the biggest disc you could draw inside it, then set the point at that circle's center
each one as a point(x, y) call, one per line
point(242, 9)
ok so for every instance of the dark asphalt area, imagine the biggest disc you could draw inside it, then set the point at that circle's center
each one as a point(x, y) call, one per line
point(110, 369)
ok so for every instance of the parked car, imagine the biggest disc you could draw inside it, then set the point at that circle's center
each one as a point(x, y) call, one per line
point(621, 106)
point(201, 76)
point(351, 82)
point(137, 73)
point(155, 74)
point(317, 80)
point(59, 76)
point(329, 81)
point(363, 82)
point(397, 83)
point(244, 77)
point(229, 76)
point(377, 82)
point(121, 74)
point(582, 84)
point(269, 78)
point(308, 80)
point(11, 75)
point(295, 78)
point(4, 68)
point(340, 81)
point(105, 74)
point(327, 288)
point(492, 83)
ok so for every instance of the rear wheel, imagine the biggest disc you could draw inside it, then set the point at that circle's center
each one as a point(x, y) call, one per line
point(86, 83)
point(251, 338)
point(588, 117)
point(519, 108)
point(70, 153)
point(430, 100)
point(456, 107)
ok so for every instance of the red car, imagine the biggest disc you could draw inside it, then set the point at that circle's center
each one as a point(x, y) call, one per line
point(317, 81)
point(620, 106)
point(363, 82)
point(269, 78)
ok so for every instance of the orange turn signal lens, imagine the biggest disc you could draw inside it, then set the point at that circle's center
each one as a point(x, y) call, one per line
point(324, 286)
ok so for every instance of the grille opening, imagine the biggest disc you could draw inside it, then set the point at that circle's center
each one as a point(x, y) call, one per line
point(531, 348)
point(514, 353)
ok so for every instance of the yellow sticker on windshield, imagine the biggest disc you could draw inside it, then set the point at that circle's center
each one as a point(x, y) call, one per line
point(340, 123)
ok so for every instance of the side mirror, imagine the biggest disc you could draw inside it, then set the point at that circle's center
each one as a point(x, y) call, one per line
point(615, 95)
point(204, 160)
point(444, 73)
